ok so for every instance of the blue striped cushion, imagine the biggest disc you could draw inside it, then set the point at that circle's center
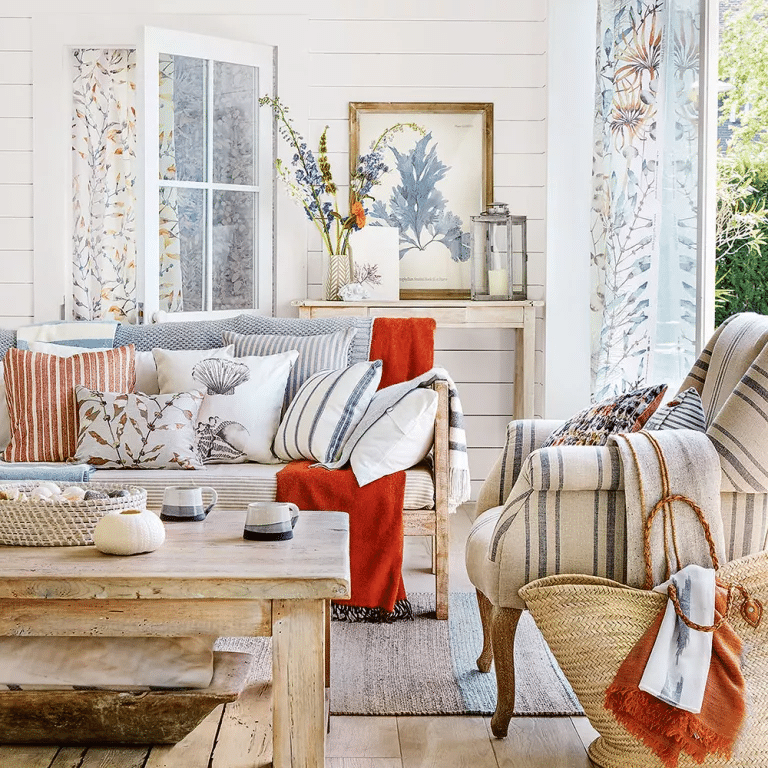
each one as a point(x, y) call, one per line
point(684, 411)
point(323, 352)
point(325, 411)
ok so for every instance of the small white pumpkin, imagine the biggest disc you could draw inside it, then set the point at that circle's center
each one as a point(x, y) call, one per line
point(129, 532)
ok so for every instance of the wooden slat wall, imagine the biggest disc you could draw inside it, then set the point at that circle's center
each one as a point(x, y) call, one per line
point(402, 50)
point(16, 307)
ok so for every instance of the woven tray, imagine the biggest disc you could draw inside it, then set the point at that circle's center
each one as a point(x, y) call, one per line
point(61, 524)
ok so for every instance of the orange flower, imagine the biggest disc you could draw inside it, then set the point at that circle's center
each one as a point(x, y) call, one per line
point(358, 212)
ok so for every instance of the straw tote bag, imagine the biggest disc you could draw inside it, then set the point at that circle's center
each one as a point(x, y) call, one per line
point(591, 625)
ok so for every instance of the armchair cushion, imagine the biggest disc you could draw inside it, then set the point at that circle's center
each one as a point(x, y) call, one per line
point(626, 413)
point(684, 411)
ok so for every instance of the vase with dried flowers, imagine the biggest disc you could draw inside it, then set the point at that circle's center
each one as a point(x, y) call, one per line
point(309, 182)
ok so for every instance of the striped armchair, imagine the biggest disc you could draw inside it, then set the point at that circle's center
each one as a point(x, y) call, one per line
point(544, 511)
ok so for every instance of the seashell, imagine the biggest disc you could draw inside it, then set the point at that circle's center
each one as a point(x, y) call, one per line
point(50, 485)
point(129, 532)
point(41, 493)
point(10, 494)
point(119, 494)
point(22, 497)
point(220, 375)
point(92, 495)
point(73, 493)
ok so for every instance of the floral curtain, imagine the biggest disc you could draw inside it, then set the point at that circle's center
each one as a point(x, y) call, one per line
point(645, 180)
point(103, 176)
point(171, 298)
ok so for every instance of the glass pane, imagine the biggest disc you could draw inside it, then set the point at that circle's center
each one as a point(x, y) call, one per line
point(234, 123)
point(182, 243)
point(234, 233)
point(182, 118)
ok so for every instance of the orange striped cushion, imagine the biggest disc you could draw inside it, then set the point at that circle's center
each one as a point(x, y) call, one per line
point(40, 391)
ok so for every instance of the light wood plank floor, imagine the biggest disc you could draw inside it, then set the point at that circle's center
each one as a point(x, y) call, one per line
point(239, 735)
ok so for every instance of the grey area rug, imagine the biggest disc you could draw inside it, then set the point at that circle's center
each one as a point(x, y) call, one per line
point(427, 667)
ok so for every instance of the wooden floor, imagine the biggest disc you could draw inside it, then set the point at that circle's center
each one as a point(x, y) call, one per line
point(239, 735)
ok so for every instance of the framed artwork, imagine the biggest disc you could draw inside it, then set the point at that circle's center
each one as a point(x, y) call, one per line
point(436, 180)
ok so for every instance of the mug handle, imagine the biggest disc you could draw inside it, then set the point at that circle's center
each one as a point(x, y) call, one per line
point(294, 513)
point(215, 495)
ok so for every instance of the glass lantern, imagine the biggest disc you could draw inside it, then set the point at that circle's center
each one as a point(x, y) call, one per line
point(498, 254)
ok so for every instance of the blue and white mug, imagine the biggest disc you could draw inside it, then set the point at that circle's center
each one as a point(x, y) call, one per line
point(270, 521)
point(185, 504)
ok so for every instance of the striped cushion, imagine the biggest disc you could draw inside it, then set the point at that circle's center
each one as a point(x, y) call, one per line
point(41, 397)
point(324, 352)
point(325, 411)
point(685, 411)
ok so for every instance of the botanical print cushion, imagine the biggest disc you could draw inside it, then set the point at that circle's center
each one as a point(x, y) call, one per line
point(40, 392)
point(174, 366)
point(241, 408)
point(323, 352)
point(625, 413)
point(325, 411)
point(684, 411)
point(137, 431)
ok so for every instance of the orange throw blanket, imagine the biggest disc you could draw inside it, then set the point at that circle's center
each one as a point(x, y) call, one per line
point(375, 531)
point(668, 731)
point(406, 347)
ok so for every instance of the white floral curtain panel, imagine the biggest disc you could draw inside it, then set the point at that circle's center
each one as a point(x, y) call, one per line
point(645, 179)
point(103, 175)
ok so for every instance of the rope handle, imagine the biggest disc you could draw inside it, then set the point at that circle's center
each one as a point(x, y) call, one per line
point(647, 533)
point(749, 605)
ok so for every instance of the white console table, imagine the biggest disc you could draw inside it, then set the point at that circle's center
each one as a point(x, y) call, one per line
point(520, 315)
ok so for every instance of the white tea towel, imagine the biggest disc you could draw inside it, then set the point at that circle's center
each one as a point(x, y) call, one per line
point(678, 666)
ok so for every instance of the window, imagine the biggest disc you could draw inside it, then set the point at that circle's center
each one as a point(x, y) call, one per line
point(208, 177)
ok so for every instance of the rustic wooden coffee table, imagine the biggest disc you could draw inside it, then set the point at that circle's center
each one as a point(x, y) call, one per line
point(205, 579)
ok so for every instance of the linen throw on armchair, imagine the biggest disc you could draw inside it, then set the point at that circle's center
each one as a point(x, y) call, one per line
point(406, 347)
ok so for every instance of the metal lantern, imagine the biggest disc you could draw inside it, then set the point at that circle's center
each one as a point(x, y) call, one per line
point(499, 256)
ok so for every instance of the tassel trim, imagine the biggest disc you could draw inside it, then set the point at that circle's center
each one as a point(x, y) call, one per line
point(402, 611)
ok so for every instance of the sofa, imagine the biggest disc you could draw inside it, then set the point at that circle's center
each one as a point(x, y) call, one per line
point(426, 504)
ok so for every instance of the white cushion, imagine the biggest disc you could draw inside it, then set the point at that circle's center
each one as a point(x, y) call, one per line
point(401, 438)
point(325, 411)
point(240, 425)
point(146, 369)
point(175, 366)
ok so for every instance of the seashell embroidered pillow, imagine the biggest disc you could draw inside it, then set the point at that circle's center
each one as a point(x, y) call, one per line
point(137, 431)
point(242, 403)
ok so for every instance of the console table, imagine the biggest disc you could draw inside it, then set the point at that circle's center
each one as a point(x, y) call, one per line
point(449, 313)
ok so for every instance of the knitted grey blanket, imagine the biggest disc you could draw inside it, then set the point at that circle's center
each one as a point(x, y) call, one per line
point(459, 486)
point(694, 472)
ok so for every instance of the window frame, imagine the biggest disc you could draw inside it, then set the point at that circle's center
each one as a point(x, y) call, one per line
point(159, 40)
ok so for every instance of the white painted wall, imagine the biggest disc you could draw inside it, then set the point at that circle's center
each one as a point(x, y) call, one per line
point(333, 53)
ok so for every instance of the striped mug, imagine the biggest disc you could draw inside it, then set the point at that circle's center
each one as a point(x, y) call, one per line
point(185, 504)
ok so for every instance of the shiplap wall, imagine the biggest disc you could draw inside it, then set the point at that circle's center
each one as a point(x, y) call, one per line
point(402, 50)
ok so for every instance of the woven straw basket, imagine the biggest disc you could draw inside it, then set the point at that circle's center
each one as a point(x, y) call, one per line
point(591, 624)
point(60, 524)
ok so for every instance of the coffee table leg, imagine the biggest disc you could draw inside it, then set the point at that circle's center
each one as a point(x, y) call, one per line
point(298, 683)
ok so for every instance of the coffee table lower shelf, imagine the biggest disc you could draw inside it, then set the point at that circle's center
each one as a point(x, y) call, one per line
point(82, 717)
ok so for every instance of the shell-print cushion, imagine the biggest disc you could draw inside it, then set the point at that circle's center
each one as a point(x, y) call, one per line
point(626, 413)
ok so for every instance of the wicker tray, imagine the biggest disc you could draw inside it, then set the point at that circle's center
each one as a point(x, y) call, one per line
point(61, 524)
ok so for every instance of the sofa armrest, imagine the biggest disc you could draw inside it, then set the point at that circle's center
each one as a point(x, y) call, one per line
point(440, 449)
point(523, 437)
point(574, 468)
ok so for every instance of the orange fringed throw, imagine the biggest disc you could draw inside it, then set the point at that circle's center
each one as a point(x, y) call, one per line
point(375, 526)
point(668, 731)
point(406, 347)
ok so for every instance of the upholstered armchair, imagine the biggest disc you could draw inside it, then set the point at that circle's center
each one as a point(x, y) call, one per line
point(544, 511)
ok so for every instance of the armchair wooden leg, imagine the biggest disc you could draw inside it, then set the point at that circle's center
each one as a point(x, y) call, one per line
point(503, 628)
point(486, 609)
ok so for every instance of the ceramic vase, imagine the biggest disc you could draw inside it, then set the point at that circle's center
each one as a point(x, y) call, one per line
point(129, 532)
point(337, 273)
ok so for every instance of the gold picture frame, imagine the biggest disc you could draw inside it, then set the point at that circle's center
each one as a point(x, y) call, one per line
point(459, 153)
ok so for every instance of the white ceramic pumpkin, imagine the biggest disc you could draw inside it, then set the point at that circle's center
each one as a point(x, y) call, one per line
point(129, 532)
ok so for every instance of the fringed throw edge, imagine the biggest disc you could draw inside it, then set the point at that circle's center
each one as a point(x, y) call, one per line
point(402, 611)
